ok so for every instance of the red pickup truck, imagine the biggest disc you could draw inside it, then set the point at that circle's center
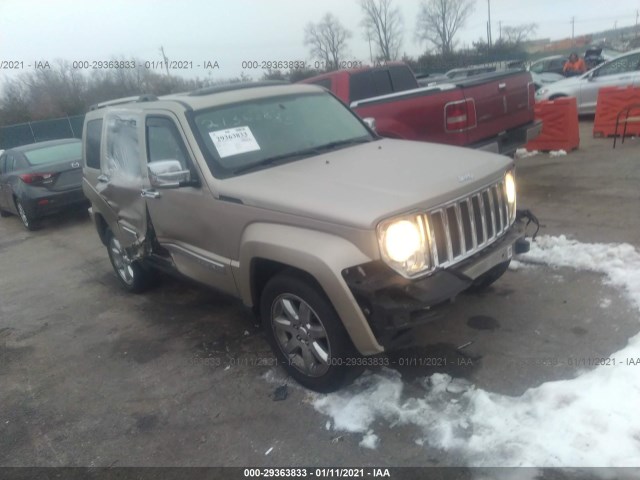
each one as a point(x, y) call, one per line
point(492, 112)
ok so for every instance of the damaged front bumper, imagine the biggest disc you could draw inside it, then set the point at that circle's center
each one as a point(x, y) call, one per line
point(393, 304)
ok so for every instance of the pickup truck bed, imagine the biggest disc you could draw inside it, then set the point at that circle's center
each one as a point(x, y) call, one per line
point(493, 112)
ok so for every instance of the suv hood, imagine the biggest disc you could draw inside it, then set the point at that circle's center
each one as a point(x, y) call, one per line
point(359, 186)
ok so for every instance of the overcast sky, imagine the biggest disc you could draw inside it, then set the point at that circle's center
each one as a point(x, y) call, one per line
point(230, 31)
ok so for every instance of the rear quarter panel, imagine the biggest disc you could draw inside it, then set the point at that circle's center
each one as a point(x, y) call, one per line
point(502, 103)
point(418, 116)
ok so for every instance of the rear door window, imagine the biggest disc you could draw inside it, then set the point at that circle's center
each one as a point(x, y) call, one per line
point(402, 79)
point(382, 81)
point(361, 86)
point(625, 64)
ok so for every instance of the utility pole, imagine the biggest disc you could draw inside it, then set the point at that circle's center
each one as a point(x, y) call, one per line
point(573, 24)
point(500, 27)
point(637, 14)
point(489, 24)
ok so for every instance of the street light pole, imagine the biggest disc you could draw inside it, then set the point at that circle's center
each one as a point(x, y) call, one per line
point(489, 23)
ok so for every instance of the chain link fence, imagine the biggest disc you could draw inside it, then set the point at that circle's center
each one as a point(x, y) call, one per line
point(40, 131)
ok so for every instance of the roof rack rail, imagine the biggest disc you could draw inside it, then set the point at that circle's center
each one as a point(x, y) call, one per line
point(121, 101)
point(236, 86)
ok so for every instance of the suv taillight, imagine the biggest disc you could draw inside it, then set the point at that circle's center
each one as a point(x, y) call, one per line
point(37, 178)
point(460, 115)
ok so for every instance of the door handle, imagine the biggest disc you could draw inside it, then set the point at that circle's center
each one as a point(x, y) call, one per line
point(149, 194)
point(103, 178)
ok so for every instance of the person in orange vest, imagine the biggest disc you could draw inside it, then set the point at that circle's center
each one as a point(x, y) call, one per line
point(574, 66)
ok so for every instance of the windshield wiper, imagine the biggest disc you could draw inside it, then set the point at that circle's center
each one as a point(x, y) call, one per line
point(343, 143)
point(300, 153)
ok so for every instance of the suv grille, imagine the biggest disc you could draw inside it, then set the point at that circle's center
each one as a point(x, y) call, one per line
point(461, 228)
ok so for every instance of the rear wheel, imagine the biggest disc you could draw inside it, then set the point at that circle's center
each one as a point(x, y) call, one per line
point(4, 214)
point(133, 276)
point(306, 333)
point(28, 219)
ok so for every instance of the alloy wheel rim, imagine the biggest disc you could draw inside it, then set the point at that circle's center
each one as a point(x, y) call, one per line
point(301, 335)
point(121, 261)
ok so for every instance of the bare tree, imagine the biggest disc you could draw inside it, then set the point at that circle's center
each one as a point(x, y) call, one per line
point(517, 34)
point(327, 40)
point(439, 21)
point(14, 104)
point(383, 24)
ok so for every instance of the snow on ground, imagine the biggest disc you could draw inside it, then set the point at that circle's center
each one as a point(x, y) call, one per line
point(370, 440)
point(590, 420)
point(557, 153)
point(524, 153)
point(518, 265)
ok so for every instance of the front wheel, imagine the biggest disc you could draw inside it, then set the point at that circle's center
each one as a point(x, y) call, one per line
point(306, 334)
point(133, 276)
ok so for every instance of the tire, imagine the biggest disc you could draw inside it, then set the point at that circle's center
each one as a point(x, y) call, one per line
point(315, 353)
point(133, 276)
point(487, 279)
point(4, 214)
point(29, 221)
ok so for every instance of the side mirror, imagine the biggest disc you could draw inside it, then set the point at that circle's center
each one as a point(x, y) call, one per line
point(370, 122)
point(168, 174)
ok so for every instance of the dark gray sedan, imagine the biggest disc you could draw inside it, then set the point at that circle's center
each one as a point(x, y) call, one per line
point(41, 179)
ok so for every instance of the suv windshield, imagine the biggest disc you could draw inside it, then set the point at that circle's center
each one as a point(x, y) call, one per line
point(243, 137)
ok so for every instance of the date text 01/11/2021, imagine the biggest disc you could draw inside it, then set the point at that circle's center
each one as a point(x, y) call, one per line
point(317, 472)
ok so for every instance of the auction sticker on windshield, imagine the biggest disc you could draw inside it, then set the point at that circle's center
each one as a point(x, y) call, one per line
point(234, 141)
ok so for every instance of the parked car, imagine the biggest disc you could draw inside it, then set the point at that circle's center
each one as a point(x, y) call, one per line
point(278, 194)
point(492, 112)
point(621, 71)
point(552, 64)
point(41, 179)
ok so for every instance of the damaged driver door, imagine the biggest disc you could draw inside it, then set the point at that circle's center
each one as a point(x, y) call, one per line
point(121, 175)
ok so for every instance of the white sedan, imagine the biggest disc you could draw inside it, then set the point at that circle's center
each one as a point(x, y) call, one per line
point(622, 71)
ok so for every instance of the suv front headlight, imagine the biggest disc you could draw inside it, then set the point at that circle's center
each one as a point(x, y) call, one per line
point(404, 244)
point(510, 191)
